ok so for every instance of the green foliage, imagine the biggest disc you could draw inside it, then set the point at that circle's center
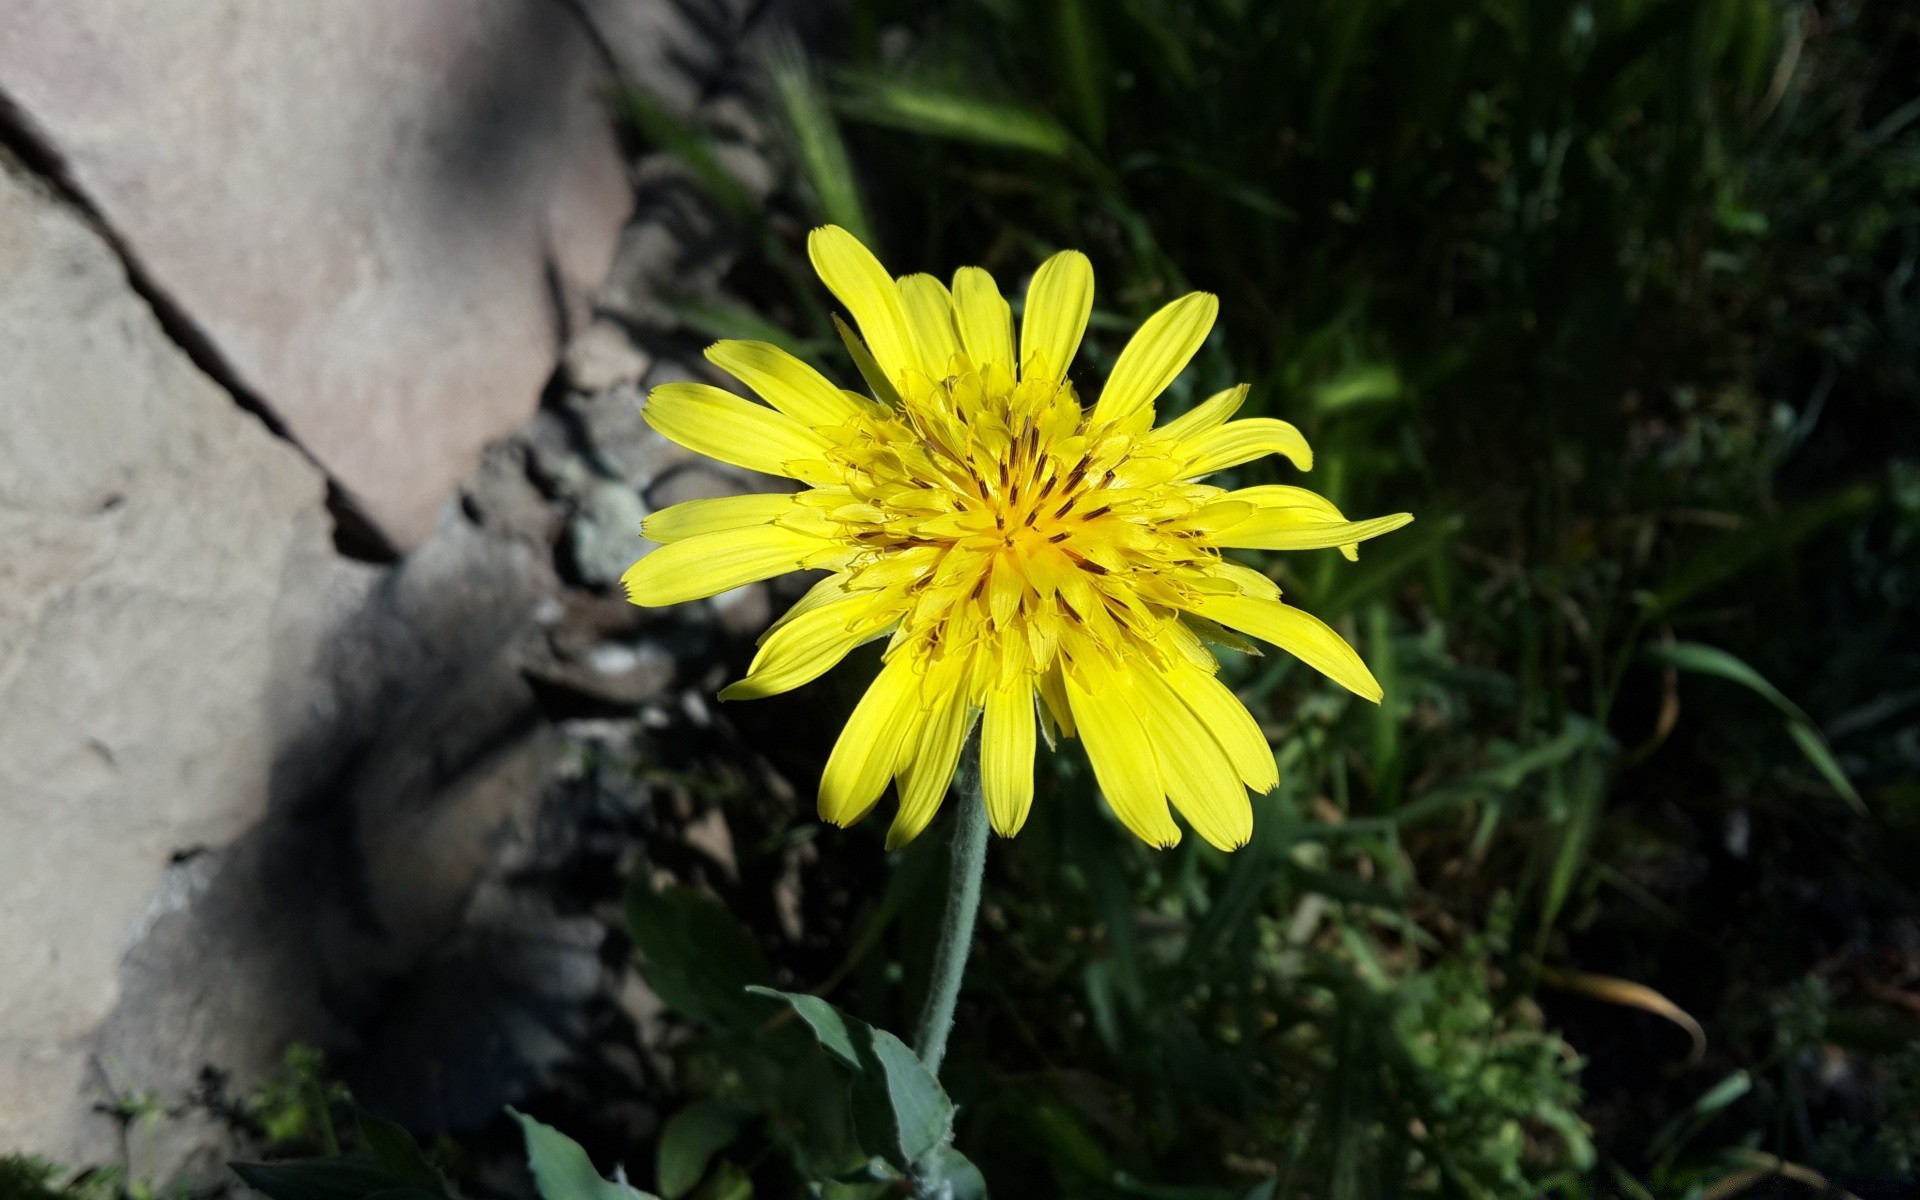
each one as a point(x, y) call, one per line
point(26, 1178)
point(389, 1165)
point(900, 1111)
point(1620, 298)
point(562, 1170)
point(296, 1108)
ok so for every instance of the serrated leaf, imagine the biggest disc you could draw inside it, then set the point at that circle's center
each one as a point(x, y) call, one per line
point(562, 1170)
point(690, 1140)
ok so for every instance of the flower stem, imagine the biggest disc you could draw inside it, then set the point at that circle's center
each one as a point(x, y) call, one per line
point(967, 862)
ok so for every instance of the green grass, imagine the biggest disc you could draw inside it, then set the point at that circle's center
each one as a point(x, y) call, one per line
point(1619, 298)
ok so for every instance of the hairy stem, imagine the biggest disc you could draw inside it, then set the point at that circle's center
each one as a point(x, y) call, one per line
point(967, 861)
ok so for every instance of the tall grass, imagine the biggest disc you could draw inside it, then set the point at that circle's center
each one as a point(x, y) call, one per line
point(1619, 296)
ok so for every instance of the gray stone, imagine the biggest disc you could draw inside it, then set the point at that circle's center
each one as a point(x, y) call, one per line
point(603, 356)
point(413, 754)
point(148, 527)
point(623, 446)
point(606, 533)
point(381, 214)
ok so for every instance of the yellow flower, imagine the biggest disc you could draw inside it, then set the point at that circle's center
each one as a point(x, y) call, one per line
point(1033, 561)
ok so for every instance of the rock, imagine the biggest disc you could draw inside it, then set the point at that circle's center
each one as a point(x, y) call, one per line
point(745, 611)
point(602, 356)
point(380, 215)
point(489, 1019)
point(605, 533)
point(678, 246)
point(501, 499)
point(407, 752)
point(622, 445)
point(619, 675)
point(148, 531)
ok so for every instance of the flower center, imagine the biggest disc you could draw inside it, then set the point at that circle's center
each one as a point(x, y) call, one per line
point(992, 522)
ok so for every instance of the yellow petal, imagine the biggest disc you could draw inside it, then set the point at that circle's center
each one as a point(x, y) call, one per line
point(1155, 355)
point(788, 384)
point(1300, 634)
point(852, 273)
point(805, 648)
point(1122, 757)
point(930, 316)
point(862, 760)
point(928, 772)
point(1231, 725)
point(731, 428)
point(1281, 495)
point(1006, 756)
point(711, 563)
point(1237, 442)
point(695, 518)
point(1203, 784)
point(1298, 508)
point(1059, 301)
point(1302, 529)
point(1206, 415)
point(984, 319)
point(1055, 705)
point(827, 591)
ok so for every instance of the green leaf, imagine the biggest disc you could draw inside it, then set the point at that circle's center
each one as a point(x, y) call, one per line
point(951, 1169)
point(830, 1026)
point(900, 1112)
point(562, 1170)
point(1358, 386)
point(863, 360)
point(937, 113)
point(1711, 660)
point(728, 1183)
point(722, 317)
point(317, 1178)
point(1815, 748)
point(818, 148)
point(696, 955)
point(1728, 556)
point(690, 1140)
point(397, 1151)
point(695, 149)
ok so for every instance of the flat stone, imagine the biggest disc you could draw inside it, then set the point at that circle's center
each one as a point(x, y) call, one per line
point(605, 533)
point(147, 528)
point(382, 215)
point(602, 356)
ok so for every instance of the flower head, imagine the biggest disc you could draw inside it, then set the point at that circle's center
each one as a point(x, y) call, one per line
point(1034, 562)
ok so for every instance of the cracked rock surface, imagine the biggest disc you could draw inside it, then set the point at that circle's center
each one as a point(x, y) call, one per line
point(253, 791)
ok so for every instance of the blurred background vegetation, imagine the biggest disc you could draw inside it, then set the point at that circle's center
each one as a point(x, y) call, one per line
point(1614, 894)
